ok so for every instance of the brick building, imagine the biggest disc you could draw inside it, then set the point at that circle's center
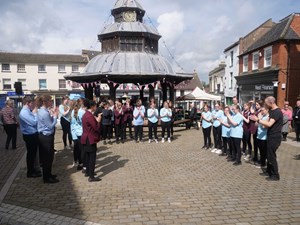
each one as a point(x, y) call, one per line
point(271, 65)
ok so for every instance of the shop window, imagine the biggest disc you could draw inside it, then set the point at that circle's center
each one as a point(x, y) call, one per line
point(255, 60)
point(245, 63)
point(268, 57)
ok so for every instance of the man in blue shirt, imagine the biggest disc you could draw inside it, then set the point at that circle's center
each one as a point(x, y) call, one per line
point(28, 127)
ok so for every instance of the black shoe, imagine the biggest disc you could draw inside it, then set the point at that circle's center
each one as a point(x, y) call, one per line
point(53, 176)
point(237, 163)
point(34, 175)
point(203, 147)
point(86, 175)
point(79, 167)
point(51, 181)
point(231, 160)
point(83, 170)
point(223, 154)
point(264, 174)
point(94, 179)
point(273, 178)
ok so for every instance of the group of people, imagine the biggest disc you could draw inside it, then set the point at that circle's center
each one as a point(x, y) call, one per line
point(84, 123)
point(234, 126)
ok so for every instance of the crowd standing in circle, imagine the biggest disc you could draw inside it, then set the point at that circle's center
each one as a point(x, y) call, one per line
point(85, 123)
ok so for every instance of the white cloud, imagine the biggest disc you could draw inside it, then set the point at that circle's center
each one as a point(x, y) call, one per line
point(171, 25)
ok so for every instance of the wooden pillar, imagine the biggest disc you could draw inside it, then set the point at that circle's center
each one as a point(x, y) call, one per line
point(164, 88)
point(171, 93)
point(151, 91)
point(142, 93)
point(112, 91)
point(88, 92)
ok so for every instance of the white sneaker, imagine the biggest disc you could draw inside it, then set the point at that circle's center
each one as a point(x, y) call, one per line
point(169, 140)
point(248, 157)
point(219, 151)
point(162, 140)
point(149, 141)
point(74, 164)
point(156, 141)
point(214, 150)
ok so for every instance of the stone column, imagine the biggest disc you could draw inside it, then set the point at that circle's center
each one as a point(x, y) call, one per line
point(88, 92)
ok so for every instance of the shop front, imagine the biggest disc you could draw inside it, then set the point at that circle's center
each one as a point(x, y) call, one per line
point(257, 86)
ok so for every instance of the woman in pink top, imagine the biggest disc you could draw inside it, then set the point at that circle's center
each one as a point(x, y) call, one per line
point(287, 117)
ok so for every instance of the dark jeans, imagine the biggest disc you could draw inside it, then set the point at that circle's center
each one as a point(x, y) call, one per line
point(217, 132)
point(77, 150)
point(138, 132)
point(46, 147)
point(273, 144)
point(152, 129)
point(191, 123)
point(206, 134)
point(90, 158)
point(262, 146)
point(226, 146)
point(128, 123)
point(236, 149)
point(32, 142)
point(119, 131)
point(66, 127)
point(106, 132)
point(11, 132)
point(165, 126)
point(255, 147)
point(247, 142)
point(297, 130)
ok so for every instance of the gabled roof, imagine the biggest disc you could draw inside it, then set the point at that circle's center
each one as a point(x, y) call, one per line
point(190, 84)
point(280, 31)
point(11, 57)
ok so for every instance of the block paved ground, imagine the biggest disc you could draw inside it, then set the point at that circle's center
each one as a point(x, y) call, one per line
point(175, 183)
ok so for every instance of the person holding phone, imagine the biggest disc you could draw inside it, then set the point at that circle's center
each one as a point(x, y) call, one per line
point(138, 121)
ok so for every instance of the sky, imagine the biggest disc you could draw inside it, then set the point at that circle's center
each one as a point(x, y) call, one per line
point(195, 32)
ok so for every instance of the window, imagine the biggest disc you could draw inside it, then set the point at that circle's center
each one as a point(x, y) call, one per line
point(131, 44)
point(42, 84)
point(268, 57)
point(42, 68)
point(231, 80)
point(255, 60)
point(62, 84)
point(23, 81)
point(181, 92)
point(231, 58)
point(6, 84)
point(75, 68)
point(5, 67)
point(61, 68)
point(245, 63)
point(21, 68)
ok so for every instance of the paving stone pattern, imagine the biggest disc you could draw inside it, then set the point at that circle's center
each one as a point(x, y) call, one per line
point(144, 183)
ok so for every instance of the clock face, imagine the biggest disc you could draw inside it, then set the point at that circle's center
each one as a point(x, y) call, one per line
point(129, 16)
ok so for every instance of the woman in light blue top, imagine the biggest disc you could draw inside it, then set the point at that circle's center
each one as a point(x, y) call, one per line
point(206, 118)
point(65, 118)
point(138, 120)
point(236, 133)
point(225, 133)
point(76, 131)
point(165, 117)
point(262, 136)
point(153, 116)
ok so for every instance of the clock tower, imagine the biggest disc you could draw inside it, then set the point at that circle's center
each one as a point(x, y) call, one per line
point(128, 33)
